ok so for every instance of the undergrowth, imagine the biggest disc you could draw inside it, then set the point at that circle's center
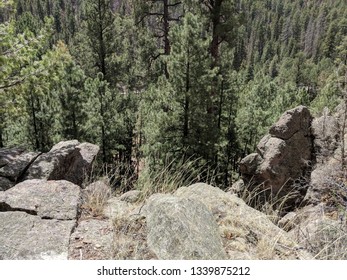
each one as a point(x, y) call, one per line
point(173, 175)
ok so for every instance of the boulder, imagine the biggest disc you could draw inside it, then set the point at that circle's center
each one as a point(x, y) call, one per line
point(27, 237)
point(99, 189)
point(68, 160)
point(181, 228)
point(81, 163)
point(283, 156)
point(326, 132)
point(291, 122)
point(37, 218)
point(246, 232)
point(131, 196)
point(51, 165)
point(46, 199)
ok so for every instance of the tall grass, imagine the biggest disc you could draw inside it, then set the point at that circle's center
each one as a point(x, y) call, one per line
point(175, 173)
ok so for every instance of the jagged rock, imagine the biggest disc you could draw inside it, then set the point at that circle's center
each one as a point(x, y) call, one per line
point(92, 240)
point(246, 232)
point(51, 165)
point(249, 164)
point(291, 122)
point(180, 228)
point(46, 199)
point(131, 196)
point(81, 163)
point(67, 160)
point(28, 237)
point(282, 156)
point(325, 130)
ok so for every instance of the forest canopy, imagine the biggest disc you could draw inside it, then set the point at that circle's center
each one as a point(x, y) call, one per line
point(156, 80)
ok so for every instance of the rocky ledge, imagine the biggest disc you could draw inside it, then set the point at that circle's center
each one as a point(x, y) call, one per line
point(47, 211)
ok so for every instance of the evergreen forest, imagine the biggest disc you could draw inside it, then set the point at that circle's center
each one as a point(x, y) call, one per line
point(158, 83)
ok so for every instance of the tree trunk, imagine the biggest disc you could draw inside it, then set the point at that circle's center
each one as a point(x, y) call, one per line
point(167, 46)
point(216, 21)
point(1, 140)
point(33, 115)
point(186, 104)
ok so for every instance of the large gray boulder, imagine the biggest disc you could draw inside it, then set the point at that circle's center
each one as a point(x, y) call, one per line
point(181, 228)
point(80, 163)
point(51, 165)
point(283, 156)
point(37, 218)
point(46, 199)
point(246, 232)
point(68, 160)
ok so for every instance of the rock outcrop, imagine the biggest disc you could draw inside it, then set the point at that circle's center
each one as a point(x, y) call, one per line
point(68, 160)
point(246, 232)
point(327, 177)
point(284, 155)
point(37, 218)
point(45, 214)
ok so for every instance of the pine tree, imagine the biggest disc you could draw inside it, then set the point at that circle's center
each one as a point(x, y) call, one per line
point(159, 16)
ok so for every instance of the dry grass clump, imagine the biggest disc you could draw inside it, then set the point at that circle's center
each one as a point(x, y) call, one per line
point(274, 206)
point(94, 199)
point(324, 238)
point(330, 242)
point(130, 239)
point(173, 175)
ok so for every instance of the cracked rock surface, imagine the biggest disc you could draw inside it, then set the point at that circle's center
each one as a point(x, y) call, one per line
point(37, 218)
